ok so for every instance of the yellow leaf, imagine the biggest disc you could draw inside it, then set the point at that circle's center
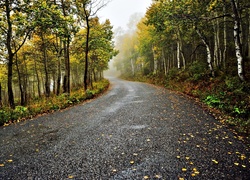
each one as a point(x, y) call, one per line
point(181, 178)
point(216, 162)
point(244, 166)
point(236, 164)
point(193, 174)
point(135, 154)
point(71, 177)
point(10, 160)
point(1, 165)
point(132, 162)
point(148, 140)
point(114, 170)
point(157, 176)
point(184, 169)
point(242, 157)
point(146, 177)
point(187, 158)
point(178, 157)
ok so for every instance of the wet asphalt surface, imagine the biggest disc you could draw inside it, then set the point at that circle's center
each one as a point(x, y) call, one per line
point(134, 131)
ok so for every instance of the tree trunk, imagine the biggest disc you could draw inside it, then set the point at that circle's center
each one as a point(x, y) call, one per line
point(86, 51)
point(10, 55)
point(209, 55)
point(58, 76)
point(66, 81)
point(155, 60)
point(45, 61)
point(20, 82)
point(38, 81)
point(178, 55)
point(164, 62)
point(225, 36)
point(237, 41)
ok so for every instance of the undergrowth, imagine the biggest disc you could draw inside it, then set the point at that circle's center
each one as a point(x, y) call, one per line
point(51, 104)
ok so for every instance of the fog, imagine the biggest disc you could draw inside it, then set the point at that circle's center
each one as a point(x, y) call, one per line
point(112, 71)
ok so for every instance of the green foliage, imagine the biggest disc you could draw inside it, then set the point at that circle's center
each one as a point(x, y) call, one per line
point(46, 105)
point(213, 101)
point(197, 71)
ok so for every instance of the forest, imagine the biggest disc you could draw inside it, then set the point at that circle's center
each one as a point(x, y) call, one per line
point(52, 54)
point(200, 48)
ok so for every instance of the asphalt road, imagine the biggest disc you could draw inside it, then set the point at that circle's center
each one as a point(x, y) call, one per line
point(134, 131)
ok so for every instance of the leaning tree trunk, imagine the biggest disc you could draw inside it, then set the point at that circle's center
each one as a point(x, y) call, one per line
point(209, 55)
point(237, 41)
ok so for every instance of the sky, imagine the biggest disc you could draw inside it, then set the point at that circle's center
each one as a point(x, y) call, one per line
point(119, 11)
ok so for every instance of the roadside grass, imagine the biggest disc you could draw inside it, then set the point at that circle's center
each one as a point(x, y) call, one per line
point(51, 104)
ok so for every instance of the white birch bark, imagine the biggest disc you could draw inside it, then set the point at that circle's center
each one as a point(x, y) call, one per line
point(209, 55)
point(178, 55)
point(155, 60)
point(237, 41)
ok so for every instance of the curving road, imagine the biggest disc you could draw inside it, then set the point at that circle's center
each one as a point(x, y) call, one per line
point(134, 131)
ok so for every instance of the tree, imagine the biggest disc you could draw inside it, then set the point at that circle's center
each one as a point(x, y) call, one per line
point(15, 25)
point(87, 9)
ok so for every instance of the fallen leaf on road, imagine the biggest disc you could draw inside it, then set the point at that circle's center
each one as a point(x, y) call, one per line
point(236, 164)
point(146, 177)
point(184, 169)
point(216, 162)
point(157, 176)
point(1, 165)
point(132, 162)
point(71, 177)
point(10, 160)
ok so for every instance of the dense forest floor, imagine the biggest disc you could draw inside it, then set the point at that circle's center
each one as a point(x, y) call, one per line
point(45, 105)
point(225, 97)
